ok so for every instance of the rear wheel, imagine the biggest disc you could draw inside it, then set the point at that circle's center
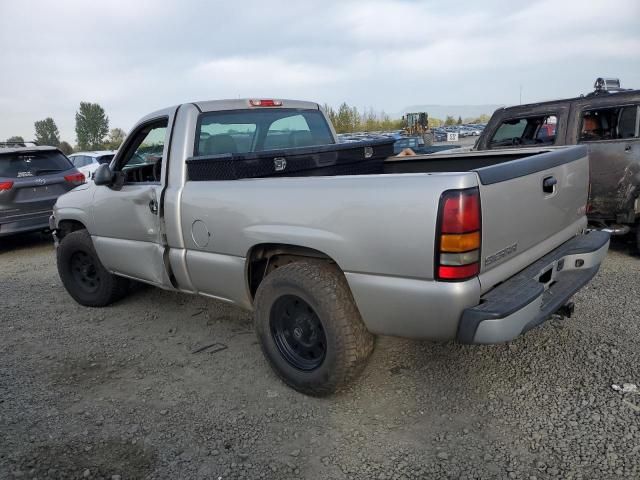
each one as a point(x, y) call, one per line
point(84, 276)
point(309, 327)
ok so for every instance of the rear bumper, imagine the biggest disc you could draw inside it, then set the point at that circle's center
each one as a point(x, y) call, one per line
point(23, 224)
point(530, 297)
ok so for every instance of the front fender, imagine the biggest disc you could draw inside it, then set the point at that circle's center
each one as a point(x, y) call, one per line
point(76, 206)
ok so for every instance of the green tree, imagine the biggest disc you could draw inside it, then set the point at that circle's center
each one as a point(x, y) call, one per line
point(356, 120)
point(459, 122)
point(116, 137)
point(47, 132)
point(343, 119)
point(449, 120)
point(65, 148)
point(349, 119)
point(92, 126)
point(370, 120)
point(484, 118)
point(16, 139)
point(385, 122)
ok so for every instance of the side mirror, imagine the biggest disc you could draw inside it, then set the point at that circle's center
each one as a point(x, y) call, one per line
point(103, 175)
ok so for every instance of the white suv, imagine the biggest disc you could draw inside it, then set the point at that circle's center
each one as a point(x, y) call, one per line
point(88, 162)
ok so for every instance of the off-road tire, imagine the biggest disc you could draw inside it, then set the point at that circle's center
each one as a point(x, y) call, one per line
point(348, 342)
point(109, 287)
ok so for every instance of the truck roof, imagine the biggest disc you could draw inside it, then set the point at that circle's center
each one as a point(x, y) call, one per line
point(243, 103)
point(233, 104)
point(622, 95)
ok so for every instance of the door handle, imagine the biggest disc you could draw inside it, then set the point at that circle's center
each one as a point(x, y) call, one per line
point(153, 206)
point(549, 184)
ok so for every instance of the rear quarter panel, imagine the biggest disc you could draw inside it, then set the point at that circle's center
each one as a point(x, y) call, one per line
point(377, 224)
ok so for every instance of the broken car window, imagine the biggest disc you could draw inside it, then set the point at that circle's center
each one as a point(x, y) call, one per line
point(531, 131)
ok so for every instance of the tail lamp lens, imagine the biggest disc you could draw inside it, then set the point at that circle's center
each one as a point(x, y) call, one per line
point(75, 178)
point(5, 186)
point(459, 235)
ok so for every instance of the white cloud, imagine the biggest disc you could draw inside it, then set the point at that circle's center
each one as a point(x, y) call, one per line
point(263, 72)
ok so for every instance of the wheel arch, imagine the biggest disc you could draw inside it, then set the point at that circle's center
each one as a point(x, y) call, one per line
point(264, 258)
point(67, 226)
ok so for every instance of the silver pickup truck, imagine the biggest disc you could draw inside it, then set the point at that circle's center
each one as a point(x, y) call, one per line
point(477, 247)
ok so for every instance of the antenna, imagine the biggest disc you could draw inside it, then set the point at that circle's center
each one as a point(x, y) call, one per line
point(520, 94)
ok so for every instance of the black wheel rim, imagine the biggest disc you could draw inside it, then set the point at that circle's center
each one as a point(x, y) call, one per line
point(84, 272)
point(297, 332)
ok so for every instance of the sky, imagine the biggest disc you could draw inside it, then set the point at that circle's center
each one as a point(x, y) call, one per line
point(136, 56)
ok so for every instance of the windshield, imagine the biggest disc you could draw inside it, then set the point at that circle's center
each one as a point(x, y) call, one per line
point(31, 164)
point(246, 131)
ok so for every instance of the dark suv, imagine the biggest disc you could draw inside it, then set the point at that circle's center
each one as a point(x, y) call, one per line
point(31, 180)
point(607, 122)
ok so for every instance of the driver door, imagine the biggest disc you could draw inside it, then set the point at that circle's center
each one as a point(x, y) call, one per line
point(127, 234)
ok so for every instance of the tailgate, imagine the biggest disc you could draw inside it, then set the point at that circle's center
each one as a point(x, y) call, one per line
point(529, 207)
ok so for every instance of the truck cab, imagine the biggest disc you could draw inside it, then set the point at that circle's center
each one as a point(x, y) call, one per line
point(607, 122)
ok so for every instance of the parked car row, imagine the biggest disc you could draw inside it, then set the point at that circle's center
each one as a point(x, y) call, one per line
point(466, 130)
point(402, 141)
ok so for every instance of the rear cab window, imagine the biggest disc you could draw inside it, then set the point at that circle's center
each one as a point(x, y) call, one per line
point(32, 163)
point(529, 131)
point(610, 123)
point(254, 130)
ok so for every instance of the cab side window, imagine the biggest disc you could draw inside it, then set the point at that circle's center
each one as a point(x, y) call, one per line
point(142, 159)
point(536, 130)
point(611, 123)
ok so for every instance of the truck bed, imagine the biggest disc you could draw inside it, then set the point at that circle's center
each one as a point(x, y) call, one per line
point(457, 162)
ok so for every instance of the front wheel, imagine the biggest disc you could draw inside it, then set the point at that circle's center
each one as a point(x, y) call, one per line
point(84, 276)
point(309, 327)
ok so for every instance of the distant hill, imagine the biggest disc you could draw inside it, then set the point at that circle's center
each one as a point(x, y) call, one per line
point(441, 111)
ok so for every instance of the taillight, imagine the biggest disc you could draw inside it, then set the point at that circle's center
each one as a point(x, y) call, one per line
point(265, 103)
point(75, 178)
point(5, 186)
point(459, 235)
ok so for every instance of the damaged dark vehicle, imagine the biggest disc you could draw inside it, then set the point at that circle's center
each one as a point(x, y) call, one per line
point(607, 121)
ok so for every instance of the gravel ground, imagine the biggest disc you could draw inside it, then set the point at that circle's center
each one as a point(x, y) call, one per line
point(120, 393)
